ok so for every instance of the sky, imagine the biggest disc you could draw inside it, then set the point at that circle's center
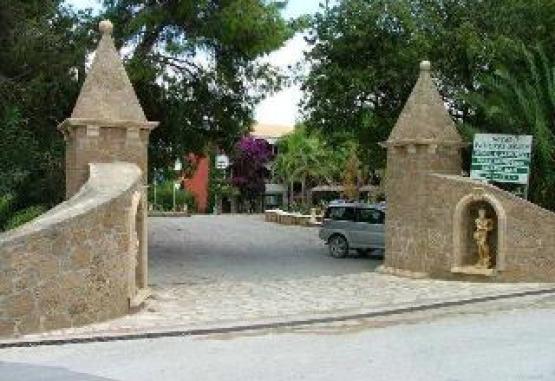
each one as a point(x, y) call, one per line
point(282, 107)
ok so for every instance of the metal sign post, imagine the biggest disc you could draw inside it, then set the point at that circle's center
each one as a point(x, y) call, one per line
point(221, 163)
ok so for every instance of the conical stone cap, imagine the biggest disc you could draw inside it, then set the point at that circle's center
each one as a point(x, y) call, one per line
point(424, 119)
point(107, 94)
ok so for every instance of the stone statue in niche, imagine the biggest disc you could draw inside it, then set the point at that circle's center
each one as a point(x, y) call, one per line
point(484, 226)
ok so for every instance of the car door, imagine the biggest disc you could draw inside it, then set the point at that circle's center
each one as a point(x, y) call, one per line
point(370, 228)
point(360, 230)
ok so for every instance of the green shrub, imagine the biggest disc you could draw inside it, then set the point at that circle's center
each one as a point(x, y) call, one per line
point(297, 207)
point(25, 215)
point(164, 197)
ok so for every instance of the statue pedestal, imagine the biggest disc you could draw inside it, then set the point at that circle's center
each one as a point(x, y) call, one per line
point(473, 270)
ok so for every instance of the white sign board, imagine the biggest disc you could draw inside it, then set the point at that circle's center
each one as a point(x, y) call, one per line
point(501, 158)
point(222, 161)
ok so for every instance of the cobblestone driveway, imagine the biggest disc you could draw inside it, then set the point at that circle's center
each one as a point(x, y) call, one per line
point(212, 249)
point(208, 271)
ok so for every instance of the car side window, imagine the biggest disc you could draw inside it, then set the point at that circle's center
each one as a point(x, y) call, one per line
point(349, 214)
point(340, 214)
point(334, 213)
point(371, 216)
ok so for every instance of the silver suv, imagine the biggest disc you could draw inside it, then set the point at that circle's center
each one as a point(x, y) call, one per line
point(353, 226)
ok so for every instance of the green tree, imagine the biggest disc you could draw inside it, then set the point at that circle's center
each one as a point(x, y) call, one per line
point(304, 158)
point(363, 65)
point(365, 59)
point(351, 176)
point(467, 39)
point(195, 67)
point(42, 60)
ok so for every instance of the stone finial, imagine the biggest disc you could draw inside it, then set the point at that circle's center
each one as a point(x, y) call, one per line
point(425, 66)
point(106, 27)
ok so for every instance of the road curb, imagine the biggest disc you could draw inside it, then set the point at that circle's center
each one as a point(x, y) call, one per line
point(269, 325)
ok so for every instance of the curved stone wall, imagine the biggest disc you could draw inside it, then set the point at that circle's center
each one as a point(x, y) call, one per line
point(73, 265)
point(525, 233)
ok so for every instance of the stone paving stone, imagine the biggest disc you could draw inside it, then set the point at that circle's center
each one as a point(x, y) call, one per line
point(244, 302)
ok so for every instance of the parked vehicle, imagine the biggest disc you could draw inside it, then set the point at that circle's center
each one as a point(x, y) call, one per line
point(356, 226)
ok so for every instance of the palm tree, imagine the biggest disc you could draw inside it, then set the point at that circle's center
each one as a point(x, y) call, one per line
point(523, 102)
point(304, 158)
point(351, 176)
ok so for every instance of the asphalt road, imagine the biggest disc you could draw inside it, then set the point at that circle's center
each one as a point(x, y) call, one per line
point(514, 345)
point(206, 249)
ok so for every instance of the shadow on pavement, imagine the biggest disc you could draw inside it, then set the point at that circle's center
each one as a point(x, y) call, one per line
point(31, 372)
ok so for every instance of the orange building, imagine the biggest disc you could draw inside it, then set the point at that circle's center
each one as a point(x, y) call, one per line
point(197, 184)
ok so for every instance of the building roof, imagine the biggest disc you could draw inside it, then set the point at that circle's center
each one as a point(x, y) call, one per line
point(264, 130)
point(107, 93)
point(424, 118)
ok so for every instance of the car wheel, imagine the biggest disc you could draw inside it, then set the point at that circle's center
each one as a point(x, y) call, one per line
point(338, 246)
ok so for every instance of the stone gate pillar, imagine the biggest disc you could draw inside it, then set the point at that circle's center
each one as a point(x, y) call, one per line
point(423, 140)
point(108, 125)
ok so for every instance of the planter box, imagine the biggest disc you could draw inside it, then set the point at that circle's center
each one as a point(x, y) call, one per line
point(271, 215)
point(286, 218)
point(303, 220)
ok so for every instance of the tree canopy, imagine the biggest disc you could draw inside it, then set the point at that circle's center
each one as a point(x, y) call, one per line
point(365, 56)
point(304, 157)
point(195, 67)
point(42, 60)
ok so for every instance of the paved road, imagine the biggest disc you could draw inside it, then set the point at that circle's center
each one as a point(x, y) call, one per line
point(511, 345)
point(207, 249)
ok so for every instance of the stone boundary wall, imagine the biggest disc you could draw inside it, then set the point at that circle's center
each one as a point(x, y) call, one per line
point(527, 232)
point(73, 265)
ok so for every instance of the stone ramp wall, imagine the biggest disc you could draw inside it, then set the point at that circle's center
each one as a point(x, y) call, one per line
point(529, 232)
point(72, 265)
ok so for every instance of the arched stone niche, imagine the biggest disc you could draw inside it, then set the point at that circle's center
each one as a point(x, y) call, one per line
point(465, 251)
point(138, 275)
